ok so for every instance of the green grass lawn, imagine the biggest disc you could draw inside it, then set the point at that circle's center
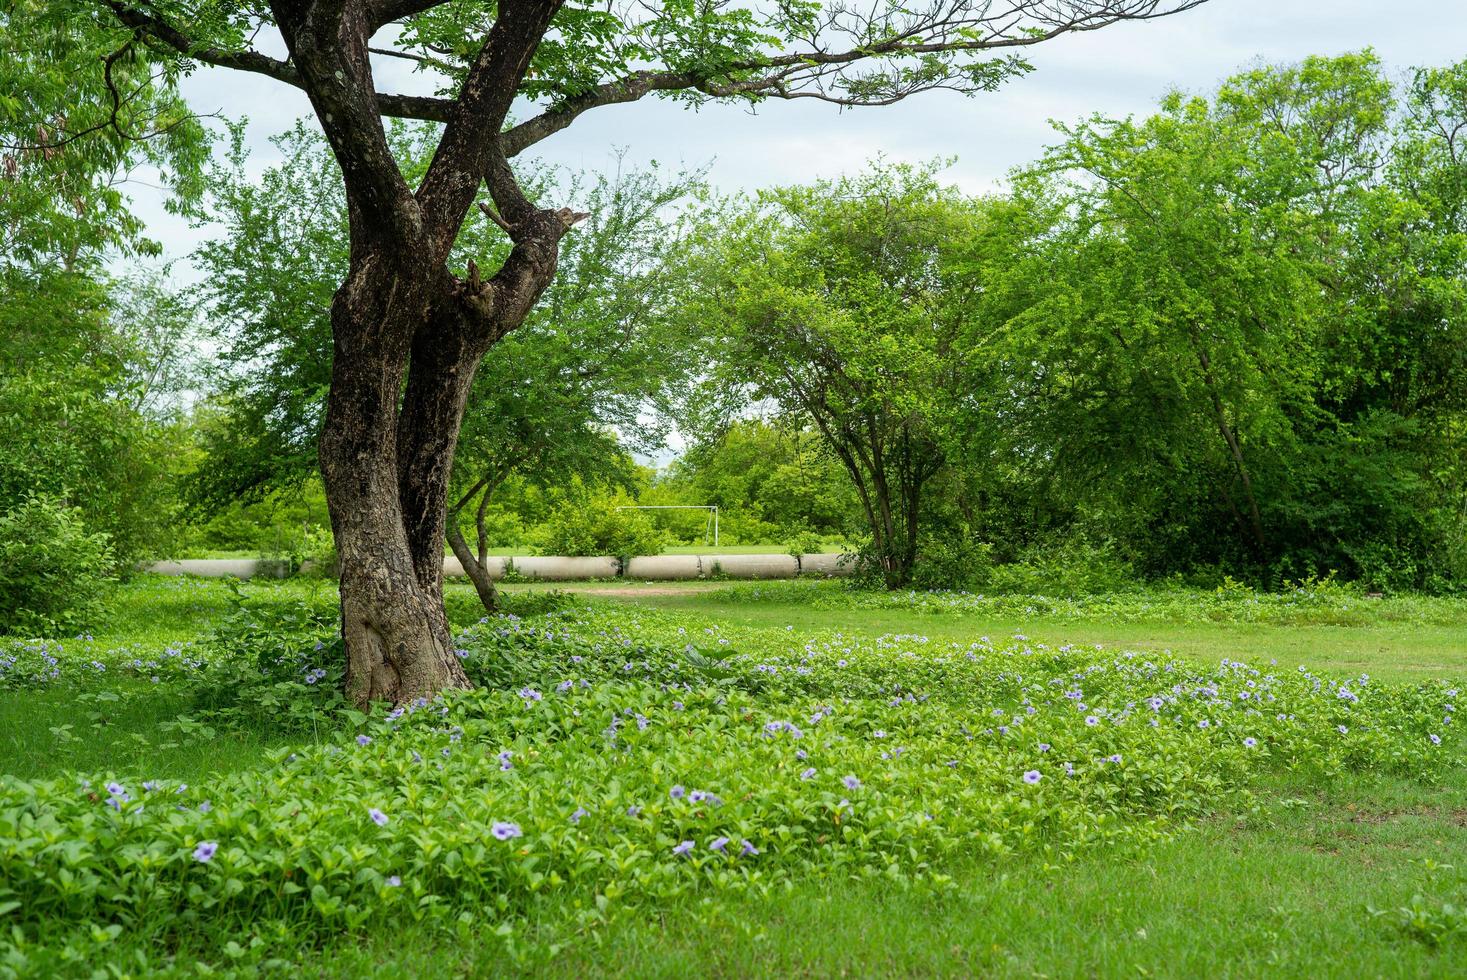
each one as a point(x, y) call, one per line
point(1280, 882)
point(1394, 650)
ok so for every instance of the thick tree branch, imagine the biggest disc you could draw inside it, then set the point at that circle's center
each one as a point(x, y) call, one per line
point(327, 40)
point(464, 153)
point(384, 12)
point(160, 30)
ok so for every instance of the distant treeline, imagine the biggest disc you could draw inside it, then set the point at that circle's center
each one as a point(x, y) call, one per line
point(1229, 338)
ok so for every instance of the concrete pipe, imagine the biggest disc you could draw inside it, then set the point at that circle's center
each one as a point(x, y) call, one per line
point(223, 567)
point(453, 568)
point(665, 567)
point(750, 566)
point(825, 565)
point(553, 569)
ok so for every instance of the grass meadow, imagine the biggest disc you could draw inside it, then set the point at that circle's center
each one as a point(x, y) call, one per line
point(734, 780)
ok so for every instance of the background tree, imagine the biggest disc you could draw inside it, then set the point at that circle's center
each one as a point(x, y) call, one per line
point(843, 302)
point(1233, 328)
point(771, 482)
point(90, 367)
point(408, 331)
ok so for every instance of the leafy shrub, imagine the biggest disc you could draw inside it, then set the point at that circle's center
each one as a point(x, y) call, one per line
point(54, 574)
point(1069, 568)
point(956, 562)
point(316, 553)
point(594, 526)
point(275, 661)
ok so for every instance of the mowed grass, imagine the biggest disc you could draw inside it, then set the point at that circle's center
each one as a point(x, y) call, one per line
point(1404, 651)
point(1285, 886)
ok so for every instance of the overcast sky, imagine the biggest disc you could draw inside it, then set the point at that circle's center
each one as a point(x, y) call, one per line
point(1116, 71)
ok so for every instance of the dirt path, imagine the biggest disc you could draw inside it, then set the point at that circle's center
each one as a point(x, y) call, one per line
point(629, 591)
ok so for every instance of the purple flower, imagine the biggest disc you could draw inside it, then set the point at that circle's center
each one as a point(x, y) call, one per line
point(378, 817)
point(808, 773)
point(1250, 742)
point(718, 844)
point(205, 806)
point(116, 789)
point(1091, 720)
point(504, 831)
point(749, 850)
point(1116, 758)
point(394, 882)
point(697, 796)
point(683, 848)
point(851, 782)
point(204, 853)
point(878, 734)
point(576, 817)
point(364, 740)
point(1204, 723)
point(1044, 746)
point(633, 810)
point(1344, 730)
point(1032, 776)
point(1435, 739)
point(677, 792)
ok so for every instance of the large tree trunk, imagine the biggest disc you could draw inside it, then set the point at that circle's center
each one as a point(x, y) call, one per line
point(406, 347)
point(387, 443)
point(392, 618)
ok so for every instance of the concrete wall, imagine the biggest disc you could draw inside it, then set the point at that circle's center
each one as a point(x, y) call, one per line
point(549, 568)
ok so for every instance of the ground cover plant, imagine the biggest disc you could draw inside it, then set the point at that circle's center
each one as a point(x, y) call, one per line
point(621, 766)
